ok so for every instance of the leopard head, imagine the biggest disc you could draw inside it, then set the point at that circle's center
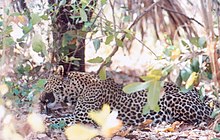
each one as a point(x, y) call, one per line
point(66, 89)
point(53, 89)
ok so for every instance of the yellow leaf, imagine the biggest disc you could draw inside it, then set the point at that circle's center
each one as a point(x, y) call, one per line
point(191, 79)
point(100, 117)
point(80, 132)
point(154, 74)
point(108, 121)
point(3, 89)
point(22, 19)
point(111, 125)
point(36, 122)
point(175, 54)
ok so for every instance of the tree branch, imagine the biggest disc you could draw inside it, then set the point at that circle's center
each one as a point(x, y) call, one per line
point(123, 37)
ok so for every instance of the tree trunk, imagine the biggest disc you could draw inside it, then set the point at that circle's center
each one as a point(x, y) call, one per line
point(68, 22)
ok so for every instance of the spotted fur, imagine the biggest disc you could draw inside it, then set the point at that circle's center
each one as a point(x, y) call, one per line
point(86, 92)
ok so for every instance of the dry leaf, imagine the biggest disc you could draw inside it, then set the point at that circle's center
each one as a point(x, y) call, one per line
point(145, 123)
point(108, 121)
point(100, 117)
point(124, 133)
point(80, 132)
point(173, 127)
point(111, 125)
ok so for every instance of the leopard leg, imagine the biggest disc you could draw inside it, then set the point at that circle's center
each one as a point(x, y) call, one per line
point(82, 109)
point(59, 122)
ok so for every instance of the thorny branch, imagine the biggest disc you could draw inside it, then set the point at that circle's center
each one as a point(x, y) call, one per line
point(123, 37)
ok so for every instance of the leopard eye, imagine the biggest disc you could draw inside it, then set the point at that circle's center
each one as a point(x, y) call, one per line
point(45, 85)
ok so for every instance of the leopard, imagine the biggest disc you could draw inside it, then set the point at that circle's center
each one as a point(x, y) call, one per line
point(86, 92)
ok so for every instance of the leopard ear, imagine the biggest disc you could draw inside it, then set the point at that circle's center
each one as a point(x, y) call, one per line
point(59, 70)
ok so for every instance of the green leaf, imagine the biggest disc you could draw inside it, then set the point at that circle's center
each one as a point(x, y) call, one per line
point(119, 42)
point(202, 42)
point(38, 44)
point(8, 41)
point(217, 128)
point(83, 15)
point(127, 18)
point(27, 29)
point(27, 68)
point(16, 91)
point(195, 65)
point(146, 109)
point(184, 43)
point(45, 17)
point(6, 10)
point(185, 73)
point(215, 139)
point(102, 73)
point(136, 86)
point(109, 39)
point(98, 59)
point(41, 82)
point(63, 2)
point(107, 60)
point(153, 95)
point(195, 41)
point(66, 39)
point(74, 59)
point(35, 18)
point(60, 125)
point(154, 74)
point(215, 113)
point(96, 44)
point(8, 30)
point(103, 2)
point(167, 70)
point(24, 93)
point(129, 34)
point(20, 69)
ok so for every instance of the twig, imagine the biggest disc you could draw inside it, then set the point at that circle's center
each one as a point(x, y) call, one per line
point(95, 19)
point(123, 37)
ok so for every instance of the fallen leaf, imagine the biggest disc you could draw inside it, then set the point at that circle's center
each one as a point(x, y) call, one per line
point(173, 127)
point(100, 117)
point(123, 133)
point(108, 121)
point(80, 132)
point(145, 123)
point(111, 125)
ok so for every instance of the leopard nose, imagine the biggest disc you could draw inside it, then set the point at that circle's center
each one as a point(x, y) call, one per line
point(45, 109)
point(47, 101)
